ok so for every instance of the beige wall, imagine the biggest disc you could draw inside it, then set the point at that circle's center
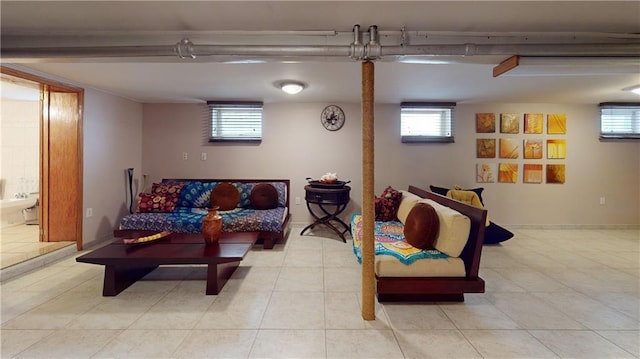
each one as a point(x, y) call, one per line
point(19, 126)
point(296, 146)
point(112, 132)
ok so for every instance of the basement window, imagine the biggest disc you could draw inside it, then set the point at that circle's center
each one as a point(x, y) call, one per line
point(619, 120)
point(235, 121)
point(426, 122)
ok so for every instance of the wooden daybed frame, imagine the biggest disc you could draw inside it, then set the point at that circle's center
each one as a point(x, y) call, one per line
point(442, 288)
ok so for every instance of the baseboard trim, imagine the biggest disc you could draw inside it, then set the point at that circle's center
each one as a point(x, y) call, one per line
point(573, 226)
point(27, 266)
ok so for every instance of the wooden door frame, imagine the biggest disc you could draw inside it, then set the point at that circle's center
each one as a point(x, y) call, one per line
point(45, 173)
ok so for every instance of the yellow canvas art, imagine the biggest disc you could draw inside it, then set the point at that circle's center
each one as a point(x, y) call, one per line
point(509, 123)
point(557, 123)
point(556, 149)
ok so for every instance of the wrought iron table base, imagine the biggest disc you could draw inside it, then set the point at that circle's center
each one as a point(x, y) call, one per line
point(327, 218)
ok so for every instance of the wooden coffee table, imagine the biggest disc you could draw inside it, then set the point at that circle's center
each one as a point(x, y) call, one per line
point(126, 263)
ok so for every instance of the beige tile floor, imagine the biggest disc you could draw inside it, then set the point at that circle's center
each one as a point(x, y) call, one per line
point(549, 293)
point(20, 243)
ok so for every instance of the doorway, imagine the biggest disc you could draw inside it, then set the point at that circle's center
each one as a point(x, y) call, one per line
point(57, 181)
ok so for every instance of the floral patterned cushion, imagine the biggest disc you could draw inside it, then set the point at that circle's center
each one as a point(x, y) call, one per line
point(156, 203)
point(386, 206)
point(163, 198)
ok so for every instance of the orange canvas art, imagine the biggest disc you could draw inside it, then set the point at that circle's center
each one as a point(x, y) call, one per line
point(532, 173)
point(555, 174)
point(485, 123)
point(533, 122)
point(486, 148)
point(508, 172)
point(532, 149)
point(509, 148)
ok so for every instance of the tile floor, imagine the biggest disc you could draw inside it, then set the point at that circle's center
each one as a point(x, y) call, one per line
point(549, 293)
point(20, 243)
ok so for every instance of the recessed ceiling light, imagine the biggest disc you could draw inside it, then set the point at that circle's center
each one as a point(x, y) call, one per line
point(291, 87)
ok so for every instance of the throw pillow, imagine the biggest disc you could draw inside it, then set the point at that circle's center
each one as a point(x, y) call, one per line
point(264, 196)
point(196, 194)
point(171, 192)
point(422, 226)
point(156, 203)
point(443, 191)
point(386, 206)
point(226, 196)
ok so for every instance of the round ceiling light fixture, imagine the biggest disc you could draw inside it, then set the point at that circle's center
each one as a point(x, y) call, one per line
point(291, 87)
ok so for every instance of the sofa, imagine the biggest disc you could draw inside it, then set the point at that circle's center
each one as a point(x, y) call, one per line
point(245, 205)
point(446, 268)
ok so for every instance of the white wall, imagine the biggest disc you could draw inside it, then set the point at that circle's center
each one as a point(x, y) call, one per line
point(112, 132)
point(20, 128)
point(296, 146)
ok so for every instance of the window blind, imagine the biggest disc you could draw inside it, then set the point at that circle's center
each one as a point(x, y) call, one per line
point(426, 121)
point(619, 120)
point(235, 121)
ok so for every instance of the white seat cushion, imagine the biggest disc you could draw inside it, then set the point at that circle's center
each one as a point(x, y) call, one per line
point(454, 229)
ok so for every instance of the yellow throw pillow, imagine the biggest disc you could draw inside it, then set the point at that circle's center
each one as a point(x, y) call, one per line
point(469, 197)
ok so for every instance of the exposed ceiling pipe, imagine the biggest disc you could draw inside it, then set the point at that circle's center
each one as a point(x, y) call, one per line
point(593, 50)
point(372, 50)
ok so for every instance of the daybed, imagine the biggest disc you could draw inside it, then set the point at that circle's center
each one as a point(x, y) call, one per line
point(445, 273)
point(493, 233)
point(179, 205)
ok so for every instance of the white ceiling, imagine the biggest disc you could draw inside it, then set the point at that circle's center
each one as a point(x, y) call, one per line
point(461, 80)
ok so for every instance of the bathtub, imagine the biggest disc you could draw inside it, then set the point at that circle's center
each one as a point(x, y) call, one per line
point(11, 209)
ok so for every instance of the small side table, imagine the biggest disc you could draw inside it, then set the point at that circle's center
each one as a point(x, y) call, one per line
point(338, 198)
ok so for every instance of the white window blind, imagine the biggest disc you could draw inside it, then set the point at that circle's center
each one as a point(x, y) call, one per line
point(619, 120)
point(235, 121)
point(426, 121)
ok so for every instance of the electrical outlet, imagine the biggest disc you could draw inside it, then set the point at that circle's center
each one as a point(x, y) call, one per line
point(89, 212)
point(297, 200)
point(185, 156)
point(602, 200)
point(203, 156)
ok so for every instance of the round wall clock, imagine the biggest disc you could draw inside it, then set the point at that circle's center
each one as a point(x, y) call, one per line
point(332, 118)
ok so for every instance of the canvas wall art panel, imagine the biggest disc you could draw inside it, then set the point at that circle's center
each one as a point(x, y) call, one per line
point(532, 173)
point(485, 172)
point(509, 123)
point(509, 148)
point(486, 148)
point(555, 173)
point(557, 123)
point(485, 122)
point(533, 122)
point(507, 172)
point(556, 148)
point(533, 149)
